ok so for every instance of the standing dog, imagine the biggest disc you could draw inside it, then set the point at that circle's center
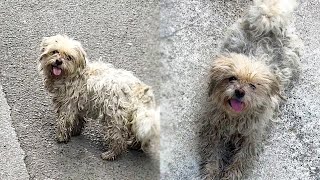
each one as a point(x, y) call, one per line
point(259, 60)
point(83, 90)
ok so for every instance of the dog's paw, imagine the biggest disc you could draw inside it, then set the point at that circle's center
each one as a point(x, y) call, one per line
point(62, 138)
point(211, 170)
point(109, 155)
point(76, 132)
point(231, 173)
point(228, 176)
point(134, 145)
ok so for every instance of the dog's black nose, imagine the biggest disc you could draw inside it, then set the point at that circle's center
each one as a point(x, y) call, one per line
point(239, 93)
point(58, 62)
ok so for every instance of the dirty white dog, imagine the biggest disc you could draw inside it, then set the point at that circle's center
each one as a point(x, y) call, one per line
point(259, 59)
point(83, 90)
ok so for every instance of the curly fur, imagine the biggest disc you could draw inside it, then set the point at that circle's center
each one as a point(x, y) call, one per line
point(84, 90)
point(259, 59)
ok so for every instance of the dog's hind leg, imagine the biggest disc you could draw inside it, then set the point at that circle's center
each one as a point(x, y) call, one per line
point(146, 127)
point(146, 120)
point(115, 135)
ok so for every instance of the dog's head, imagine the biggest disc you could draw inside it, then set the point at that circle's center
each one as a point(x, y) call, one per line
point(240, 85)
point(61, 56)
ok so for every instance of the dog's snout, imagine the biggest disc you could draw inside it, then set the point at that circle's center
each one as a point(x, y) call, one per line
point(239, 93)
point(58, 62)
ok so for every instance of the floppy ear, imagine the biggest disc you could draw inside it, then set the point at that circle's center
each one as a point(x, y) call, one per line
point(212, 84)
point(276, 87)
point(275, 93)
point(81, 53)
point(216, 75)
point(41, 56)
point(222, 67)
point(43, 44)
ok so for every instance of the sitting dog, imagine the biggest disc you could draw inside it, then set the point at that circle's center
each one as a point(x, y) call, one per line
point(259, 61)
point(83, 90)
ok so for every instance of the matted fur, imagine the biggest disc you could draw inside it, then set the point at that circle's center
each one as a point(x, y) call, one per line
point(83, 90)
point(260, 59)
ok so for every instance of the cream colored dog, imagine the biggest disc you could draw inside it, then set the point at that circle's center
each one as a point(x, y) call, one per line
point(259, 60)
point(84, 90)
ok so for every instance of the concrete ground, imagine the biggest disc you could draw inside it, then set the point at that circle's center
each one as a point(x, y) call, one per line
point(124, 33)
point(12, 164)
point(191, 33)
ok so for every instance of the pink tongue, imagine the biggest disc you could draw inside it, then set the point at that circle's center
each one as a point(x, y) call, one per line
point(56, 71)
point(236, 105)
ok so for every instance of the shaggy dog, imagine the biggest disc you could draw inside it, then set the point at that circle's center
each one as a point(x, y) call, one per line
point(84, 90)
point(259, 60)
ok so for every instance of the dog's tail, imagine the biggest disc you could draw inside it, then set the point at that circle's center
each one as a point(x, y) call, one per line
point(146, 123)
point(270, 16)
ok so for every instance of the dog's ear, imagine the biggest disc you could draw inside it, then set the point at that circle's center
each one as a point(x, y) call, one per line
point(81, 51)
point(275, 93)
point(275, 87)
point(43, 44)
point(221, 68)
point(215, 76)
point(81, 54)
point(211, 85)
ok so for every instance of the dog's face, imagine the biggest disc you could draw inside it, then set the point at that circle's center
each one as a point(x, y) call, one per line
point(240, 85)
point(61, 57)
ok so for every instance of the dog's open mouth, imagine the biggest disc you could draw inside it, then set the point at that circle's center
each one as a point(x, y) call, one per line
point(56, 71)
point(236, 105)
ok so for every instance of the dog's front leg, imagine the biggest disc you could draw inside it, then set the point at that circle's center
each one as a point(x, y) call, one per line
point(66, 120)
point(240, 160)
point(211, 150)
point(211, 169)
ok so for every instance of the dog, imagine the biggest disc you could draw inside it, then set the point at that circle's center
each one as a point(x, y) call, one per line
point(258, 63)
point(82, 90)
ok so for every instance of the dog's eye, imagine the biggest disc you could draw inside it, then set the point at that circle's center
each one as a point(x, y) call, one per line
point(69, 58)
point(55, 52)
point(252, 86)
point(233, 78)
